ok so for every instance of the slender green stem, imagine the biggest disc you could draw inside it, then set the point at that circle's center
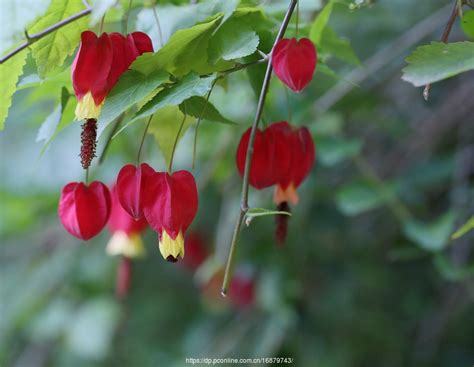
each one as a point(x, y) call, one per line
point(101, 25)
point(170, 166)
point(143, 139)
point(109, 138)
point(87, 175)
point(199, 122)
point(297, 17)
point(125, 19)
point(248, 159)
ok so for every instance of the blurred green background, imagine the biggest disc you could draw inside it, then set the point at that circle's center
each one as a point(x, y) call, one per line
point(369, 275)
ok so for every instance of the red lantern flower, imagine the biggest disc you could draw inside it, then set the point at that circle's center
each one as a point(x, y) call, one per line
point(126, 239)
point(99, 63)
point(131, 186)
point(170, 205)
point(299, 148)
point(294, 62)
point(84, 210)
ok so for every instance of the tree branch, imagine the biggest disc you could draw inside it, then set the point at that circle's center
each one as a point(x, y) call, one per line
point(245, 184)
point(32, 38)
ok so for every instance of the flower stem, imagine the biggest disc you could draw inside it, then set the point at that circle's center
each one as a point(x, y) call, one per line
point(170, 166)
point(157, 20)
point(143, 139)
point(248, 159)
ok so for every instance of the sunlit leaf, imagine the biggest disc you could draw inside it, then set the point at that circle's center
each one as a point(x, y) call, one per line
point(464, 229)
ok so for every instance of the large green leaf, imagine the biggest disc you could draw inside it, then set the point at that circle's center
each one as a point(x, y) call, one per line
point(185, 51)
point(10, 71)
point(338, 47)
point(165, 126)
point(319, 24)
point(131, 88)
point(199, 107)
point(431, 236)
point(438, 61)
point(51, 51)
point(467, 23)
point(191, 85)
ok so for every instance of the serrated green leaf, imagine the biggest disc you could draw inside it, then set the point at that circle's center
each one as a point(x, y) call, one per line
point(464, 229)
point(431, 236)
point(48, 127)
point(317, 28)
point(438, 61)
point(131, 88)
point(185, 51)
point(165, 126)
point(467, 23)
point(199, 107)
point(191, 85)
point(338, 47)
point(10, 72)
point(50, 51)
point(260, 212)
point(359, 197)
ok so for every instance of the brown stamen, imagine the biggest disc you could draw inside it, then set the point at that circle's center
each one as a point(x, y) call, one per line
point(88, 142)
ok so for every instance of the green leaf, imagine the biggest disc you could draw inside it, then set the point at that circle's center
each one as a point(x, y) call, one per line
point(438, 61)
point(185, 51)
point(464, 229)
point(451, 272)
point(338, 47)
point(50, 51)
point(431, 236)
point(467, 23)
point(261, 212)
point(131, 88)
point(332, 151)
point(191, 85)
point(165, 126)
point(199, 107)
point(10, 72)
point(359, 197)
point(317, 28)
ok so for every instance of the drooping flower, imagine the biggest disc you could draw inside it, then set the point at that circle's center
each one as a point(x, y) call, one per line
point(170, 205)
point(131, 188)
point(299, 147)
point(294, 62)
point(99, 63)
point(126, 239)
point(84, 209)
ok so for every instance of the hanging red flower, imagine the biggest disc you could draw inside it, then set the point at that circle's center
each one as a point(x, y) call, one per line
point(294, 62)
point(170, 205)
point(84, 209)
point(99, 63)
point(131, 186)
point(126, 239)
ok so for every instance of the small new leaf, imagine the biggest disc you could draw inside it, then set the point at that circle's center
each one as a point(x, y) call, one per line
point(200, 108)
point(260, 212)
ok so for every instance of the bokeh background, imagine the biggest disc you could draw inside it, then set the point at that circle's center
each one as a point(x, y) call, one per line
point(369, 274)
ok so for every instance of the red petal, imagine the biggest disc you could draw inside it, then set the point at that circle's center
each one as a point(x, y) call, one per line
point(278, 134)
point(142, 42)
point(170, 202)
point(261, 169)
point(120, 220)
point(92, 65)
point(84, 210)
point(294, 62)
point(131, 186)
point(303, 155)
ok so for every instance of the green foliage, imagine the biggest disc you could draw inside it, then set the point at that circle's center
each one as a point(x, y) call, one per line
point(332, 151)
point(262, 212)
point(50, 52)
point(10, 71)
point(132, 87)
point(200, 108)
point(438, 61)
point(165, 126)
point(467, 23)
point(319, 24)
point(432, 236)
point(338, 47)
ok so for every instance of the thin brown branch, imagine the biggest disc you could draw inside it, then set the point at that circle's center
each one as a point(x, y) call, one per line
point(32, 38)
point(245, 184)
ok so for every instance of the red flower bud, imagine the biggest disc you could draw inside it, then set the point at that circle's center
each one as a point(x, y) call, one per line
point(131, 186)
point(294, 62)
point(170, 205)
point(99, 63)
point(84, 210)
